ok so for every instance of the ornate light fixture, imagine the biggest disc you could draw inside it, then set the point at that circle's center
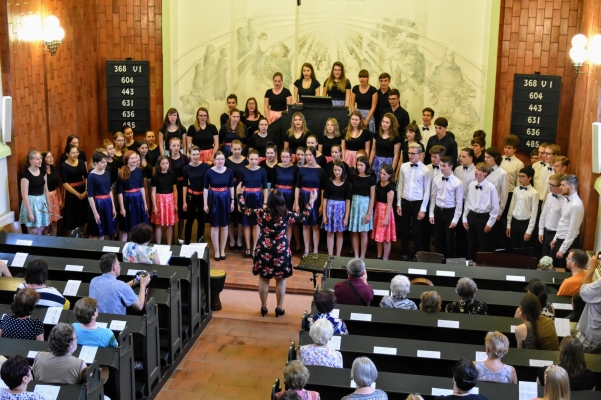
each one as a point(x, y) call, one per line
point(579, 54)
point(52, 34)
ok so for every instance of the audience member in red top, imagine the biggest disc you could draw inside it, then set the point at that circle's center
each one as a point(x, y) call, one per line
point(354, 290)
point(576, 261)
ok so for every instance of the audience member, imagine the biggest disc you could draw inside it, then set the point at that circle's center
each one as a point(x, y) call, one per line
point(430, 302)
point(113, 295)
point(557, 384)
point(325, 301)
point(576, 262)
point(589, 325)
point(290, 395)
point(399, 288)
point(137, 250)
point(466, 289)
point(59, 365)
point(465, 378)
point(571, 358)
point(354, 290)
point(536, 331)
point(88, 333)
point(16, 374)
point(319, 353)
point(36, 276)
point(577, 309)
point(415, 396)
point(364, 373)
point(296, 376)
point(539, 289)
point(492, 369)
point(20, 324)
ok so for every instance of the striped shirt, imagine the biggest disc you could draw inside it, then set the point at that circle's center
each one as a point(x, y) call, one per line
point(49, 296)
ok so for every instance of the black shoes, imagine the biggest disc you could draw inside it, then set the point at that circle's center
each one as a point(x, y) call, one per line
point(278, 312)
point(264, 311)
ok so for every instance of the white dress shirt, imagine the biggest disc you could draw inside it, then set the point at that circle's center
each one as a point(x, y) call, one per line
point(537, 181)
point(414, 184)
point(499, 178)
point(433, 171)
point(538, 165)
point(447, 194)
point(427, 134)
point(551, 213)
point(484, 200)
point(466, 175)
point(512, 165)
point(572, 213)
point(524, 205)
point(544, 173)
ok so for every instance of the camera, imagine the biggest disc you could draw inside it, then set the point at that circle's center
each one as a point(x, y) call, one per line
point(140, 274)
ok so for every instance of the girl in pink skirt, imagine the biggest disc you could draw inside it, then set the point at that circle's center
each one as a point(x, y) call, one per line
point(384, 230)
point(164, 200)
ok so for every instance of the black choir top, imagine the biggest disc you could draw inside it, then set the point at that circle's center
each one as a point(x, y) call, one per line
point(330, 169)
point(255, 141)
point(335, 192)
point(251, 126)
point(328, 143)
point(203, 138)
point(363, 100)
point(294, 143)
point(385, 147)
point(163, 182)
point(270, 171)
point(278, 102)
point(179, 133)
point(335, 93)
point(306, 92)
point(177, 166)
point(236, 168)
point(194, 177)
point(153, 155)
point(70, 174)
point(52, 179)
point(81, 156)
point(358, 143)
point(382, 192)
point(362, 184)
point(134, 146)
point(36, 183)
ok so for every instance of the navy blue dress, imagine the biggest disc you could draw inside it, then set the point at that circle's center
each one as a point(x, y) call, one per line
point(219, 201)
point(99, 187)
point(285, 182)
point(132, 199)
point(254, 182)
point(237, 168)
point(308, 180)
point(226, 137)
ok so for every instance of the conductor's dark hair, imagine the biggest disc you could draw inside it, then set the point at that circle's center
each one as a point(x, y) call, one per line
point(276, 204)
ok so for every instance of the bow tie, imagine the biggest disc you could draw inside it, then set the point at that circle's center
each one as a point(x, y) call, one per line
point(465, 168)
point(413, 165)
point(479, 187)
point(542, 163)
point(425, 128)
point(554, 195)
point(567, 199)
point(507, 158)
point(436, 166)
point(523, 188)
point(550, 168)
point(445, 179)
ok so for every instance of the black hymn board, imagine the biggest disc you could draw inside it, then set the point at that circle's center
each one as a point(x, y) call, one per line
point(128, 95)
point(535, 109)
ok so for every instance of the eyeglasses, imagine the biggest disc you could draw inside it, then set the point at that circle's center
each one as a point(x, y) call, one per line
point(413, 154)
point(569, 259)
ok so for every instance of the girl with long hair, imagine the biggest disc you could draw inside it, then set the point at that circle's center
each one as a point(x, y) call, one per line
point(260, 139)
point(269, 163)
point(536, 331)
point(55, 194)
point(177, 162)
point(193, 203)
point(236, 163)
point(362, 205)
point(253, 181)
point(557, 384)
point(204, 135)
point(74, 175)
point(337, 204)
point(571, 358)
point(387, 145)
point(413, 135)
point(365, 96)
point(231, 131)
point(172, 127)
point(251, 116)
point(331, 137)
point(285, 182)
point(164, 200)
point(72, 140)
point(297, 134)
point(113, 164)
point(131, 194)
point(101, 219)
point(306, 84)
point(384, 231)
point(337, 86)
point(355, 138)
point(35, 210)
point(120, 147)
point(277, 99)
point(144, 164)
point(154, 150)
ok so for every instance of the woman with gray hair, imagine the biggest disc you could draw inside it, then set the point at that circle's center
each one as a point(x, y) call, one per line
point(364, 374)
point(319, 353)
point(466, 289)
point(59, 365)
point(296, 376)
point(399, 288)
point(492, 369)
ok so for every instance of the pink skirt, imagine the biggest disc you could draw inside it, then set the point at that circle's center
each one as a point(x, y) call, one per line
point(380, 232)
point(205, 155)
point(274, 115)
point(165, 204)
point(55, 209)
point(349, 157)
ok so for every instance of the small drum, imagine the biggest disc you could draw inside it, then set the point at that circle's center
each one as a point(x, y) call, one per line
point(217, 283)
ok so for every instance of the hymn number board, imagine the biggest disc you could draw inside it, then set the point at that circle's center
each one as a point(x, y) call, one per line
point(128, 95)
point(535, 109)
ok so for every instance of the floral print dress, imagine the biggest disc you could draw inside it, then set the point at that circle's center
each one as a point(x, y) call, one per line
point(272, 258)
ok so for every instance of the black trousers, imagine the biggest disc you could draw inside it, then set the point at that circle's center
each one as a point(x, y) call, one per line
point(195, 212)
point(536, 245)
point(503, 241)
point(518, 230)
point(547, 239)
point(410, 210)
point(476, 237)
point(443, 235)
point(561, 262)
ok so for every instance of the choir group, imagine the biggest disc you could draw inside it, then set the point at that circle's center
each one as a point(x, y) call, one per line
point(470, 199)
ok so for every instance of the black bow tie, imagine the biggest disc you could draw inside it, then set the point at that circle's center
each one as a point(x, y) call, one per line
point(479, 187)
point(550, 168)
point(554, 195)
point(413, 165)
point(567, 199)
point(523, 188)
point(436, 166)
point(507, 158)
point(542, 163)
point(465, 168)
point(445, 179)
point(425, 128)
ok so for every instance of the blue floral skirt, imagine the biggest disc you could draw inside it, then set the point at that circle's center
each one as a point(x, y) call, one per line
point(359, 208)
point(335, 211)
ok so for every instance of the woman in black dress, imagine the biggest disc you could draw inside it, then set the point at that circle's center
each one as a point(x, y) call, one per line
point(204, 135)
point(337, 86)
point(172, 127)
point(272, 258)
point(306, 85)
point(74, 175)
point(277, 99)
point(72, 140)
point(54, 191)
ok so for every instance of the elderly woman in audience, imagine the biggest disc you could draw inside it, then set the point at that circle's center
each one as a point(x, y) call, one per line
point(536, 331)
point(364, 374)
point(557, 384)
point(16, 374)
point(539, 289)
point(571, 358)
point(137, 250)
point(36, 276)
point(466, 289)
point(465, 378)
point(86, 330)
point(296, 376)
point(59, 365)
point(399, 288)
point(492, 369)
point(430, 302)
point(319, 353)
point(325, 301)
point(20, 325)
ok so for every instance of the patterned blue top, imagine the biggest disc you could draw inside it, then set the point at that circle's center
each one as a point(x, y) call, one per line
point(339, 325)
point(501, 376)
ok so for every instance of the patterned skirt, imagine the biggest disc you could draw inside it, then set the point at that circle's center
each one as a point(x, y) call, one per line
point(359, 208)
point(379, 162)
point(335, 212)
point(134, 210)
point(383, 233)
point(219, 208)
point(303, 199)
point(349, 157)
point(107, 225)
point(338, 103)
point(75, 210)
point(39, 209)
point(253, 200)
point(371, 124)
point(165, 205)
point(274, 116)
point(55, 207)
point(205, 155)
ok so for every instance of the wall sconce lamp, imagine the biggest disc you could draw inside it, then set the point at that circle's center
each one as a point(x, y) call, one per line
point(52, 34)
point(579, 54)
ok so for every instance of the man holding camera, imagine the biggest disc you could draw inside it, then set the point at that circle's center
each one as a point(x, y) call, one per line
point(113, 295)
point(589, 326)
